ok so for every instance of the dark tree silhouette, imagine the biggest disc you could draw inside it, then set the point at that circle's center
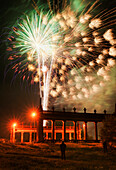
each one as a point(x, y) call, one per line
point(108, 130)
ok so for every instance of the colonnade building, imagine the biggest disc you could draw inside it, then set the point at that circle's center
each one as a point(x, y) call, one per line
point(63, 132)
point(23, 133)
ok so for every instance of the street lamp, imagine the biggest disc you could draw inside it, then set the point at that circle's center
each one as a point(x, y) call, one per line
point(14, 125)
point(34, 115)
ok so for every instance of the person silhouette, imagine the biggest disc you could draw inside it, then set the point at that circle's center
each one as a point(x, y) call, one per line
point(105, 146)
point(63, 148)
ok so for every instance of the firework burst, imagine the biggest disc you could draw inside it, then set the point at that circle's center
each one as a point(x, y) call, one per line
point(69, 53)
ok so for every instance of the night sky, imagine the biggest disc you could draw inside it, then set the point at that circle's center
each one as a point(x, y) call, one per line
point(17, 98)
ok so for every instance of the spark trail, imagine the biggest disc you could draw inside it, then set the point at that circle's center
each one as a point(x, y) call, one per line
point(70, 53)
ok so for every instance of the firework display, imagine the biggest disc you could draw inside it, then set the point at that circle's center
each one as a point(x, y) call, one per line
point(69, 53)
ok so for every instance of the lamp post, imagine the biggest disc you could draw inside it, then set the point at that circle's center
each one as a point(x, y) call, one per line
point(13, 137)
point(34, 115)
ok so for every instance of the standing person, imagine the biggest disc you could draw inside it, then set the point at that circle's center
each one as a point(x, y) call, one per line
point(105, 146)
point(63, 148)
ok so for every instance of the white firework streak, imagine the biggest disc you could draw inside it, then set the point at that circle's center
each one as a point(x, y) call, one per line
point(47, 79)
point(36, 39)
point(68, 39)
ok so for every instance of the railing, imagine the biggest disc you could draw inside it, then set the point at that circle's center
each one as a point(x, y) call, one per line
point(45, 127)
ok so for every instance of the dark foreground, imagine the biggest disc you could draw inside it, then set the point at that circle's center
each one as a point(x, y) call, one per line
point(81, 156)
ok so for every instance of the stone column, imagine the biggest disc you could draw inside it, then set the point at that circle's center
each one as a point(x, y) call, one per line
point(96, 132)
point(40, 130)
point(75, 131)
point(40, 124)
point(70, 136)
point(54, 135)
point(85, 131)
point(13, 136)
point(79, 132)
point(53, 122)
point(30, 138)
point(22, 137)
point(64, 131)
point(46, 135)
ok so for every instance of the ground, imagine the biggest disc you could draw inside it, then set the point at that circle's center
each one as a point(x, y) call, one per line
point(41, 156)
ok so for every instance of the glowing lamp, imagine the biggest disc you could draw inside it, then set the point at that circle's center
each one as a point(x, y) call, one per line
point(33, 114)
point(14, 124)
